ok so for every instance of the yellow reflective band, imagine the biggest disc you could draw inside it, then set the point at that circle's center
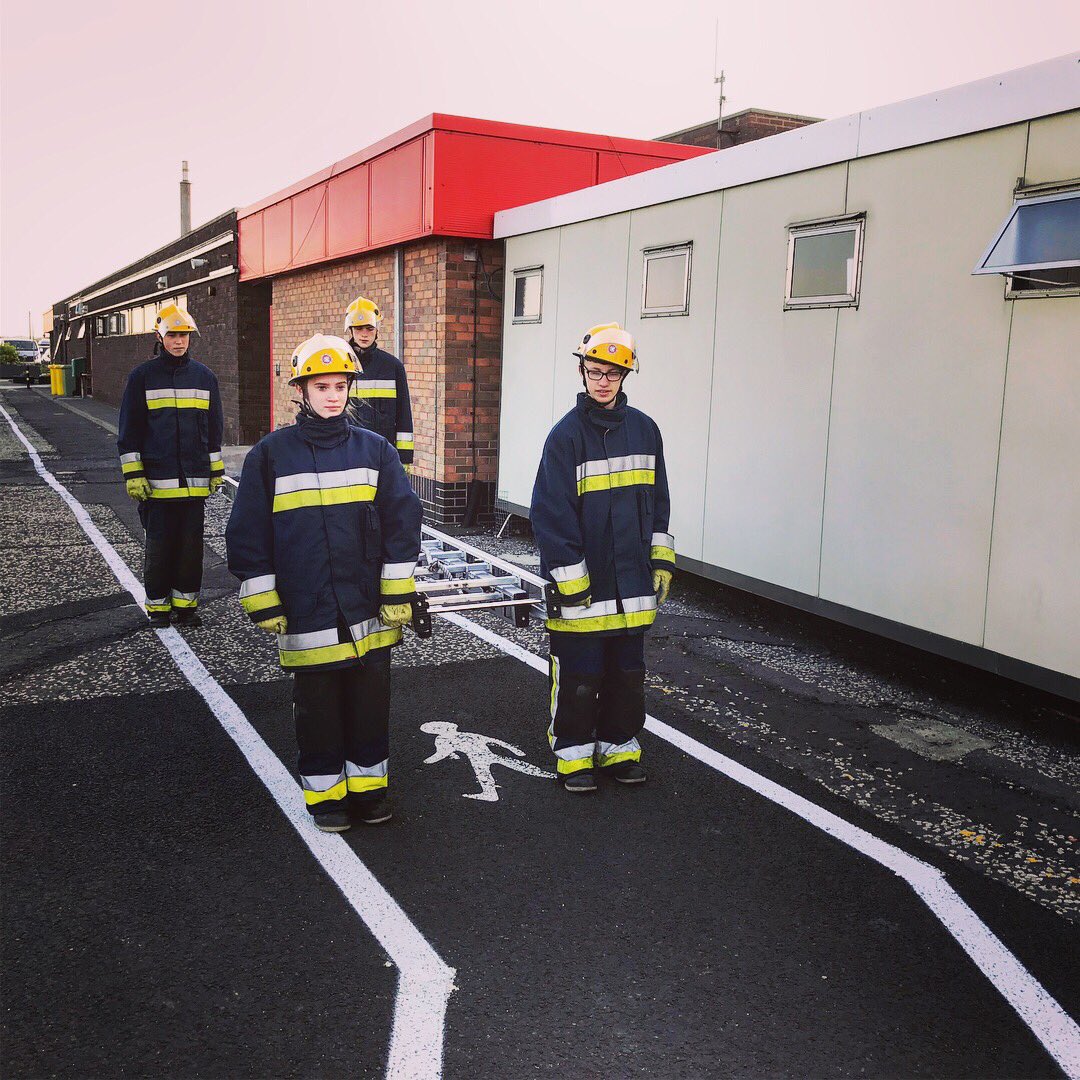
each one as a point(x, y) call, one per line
point(217, 467)
point(178, 403)
point(181, 603)
point(353, 493)
point(622, 621)
point(379, 640)
point(179, 493)
point(338, 791)
point(159, 607)
point(663, 554)
point(360, 391)
point(405, 445)
point(566, 767)
point(571, 588)
point(614, 759)
point(260, 601)
point(397, 586)
point(132, 466)
point(616, 480)
point(360, 784)
point(327, 654)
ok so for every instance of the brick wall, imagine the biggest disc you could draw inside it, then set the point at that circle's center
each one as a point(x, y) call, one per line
point(253, 360)
point(742, 127)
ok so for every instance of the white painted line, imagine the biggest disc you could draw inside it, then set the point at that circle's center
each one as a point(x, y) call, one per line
point(1048, 1021)
point(426, 982)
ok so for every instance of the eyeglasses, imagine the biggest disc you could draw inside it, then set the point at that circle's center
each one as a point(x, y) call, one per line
point(608, 374)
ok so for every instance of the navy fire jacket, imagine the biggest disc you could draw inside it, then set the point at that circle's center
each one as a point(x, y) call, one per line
point(600, 511)
point(324, 534)
point(170, 427)
point(379, 397)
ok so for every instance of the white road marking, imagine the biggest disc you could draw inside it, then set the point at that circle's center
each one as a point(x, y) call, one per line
point(1048, 1021)
point(477, 750)
point(426, 982)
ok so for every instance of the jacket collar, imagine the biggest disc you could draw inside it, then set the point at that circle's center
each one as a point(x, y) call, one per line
point(598, 415)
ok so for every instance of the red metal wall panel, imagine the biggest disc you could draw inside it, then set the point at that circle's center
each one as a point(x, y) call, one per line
point(309, 226)
point(477, 175)
point(347, 212)
point(277, 236)
point(251, 247)
point(397, 194)
point(615, 165)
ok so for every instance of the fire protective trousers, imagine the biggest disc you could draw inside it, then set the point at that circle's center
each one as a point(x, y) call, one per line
point(343, 732)
point(172, 570)
point(597, 699)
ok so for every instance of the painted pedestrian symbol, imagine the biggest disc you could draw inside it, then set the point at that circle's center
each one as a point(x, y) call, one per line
point(477, 750)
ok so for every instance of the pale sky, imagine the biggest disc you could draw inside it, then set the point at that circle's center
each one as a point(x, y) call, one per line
point(100, 101)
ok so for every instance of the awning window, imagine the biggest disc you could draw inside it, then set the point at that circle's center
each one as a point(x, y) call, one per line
point(1039, 233)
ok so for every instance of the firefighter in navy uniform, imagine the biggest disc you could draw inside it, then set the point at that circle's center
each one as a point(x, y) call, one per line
point(379, 397)
point(324, 537)
point(170, 454)
point(600, 514)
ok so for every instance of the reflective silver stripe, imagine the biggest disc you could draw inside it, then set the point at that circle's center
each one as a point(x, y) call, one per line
point(595, 609)
point(163, 483)
point(313, 481)
point(127, 459)
point(638, 603)
point(366, 628)
point(266, 583)
point(198, 481)
point(375, 384)
point(663, 540)
point(178, 392)
point(398, 569)
point(404, 436)
point(215, 455)
point(315, 640)
point(570, 573)
point(602, 467)
point(155, 602)
point(192, 482)
point(178, 595)
point(574, 753)
point(321, 783)
point(608, 749)
point(366, 770)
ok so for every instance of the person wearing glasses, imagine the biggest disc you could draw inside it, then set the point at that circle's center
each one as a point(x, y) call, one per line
point(600, 510)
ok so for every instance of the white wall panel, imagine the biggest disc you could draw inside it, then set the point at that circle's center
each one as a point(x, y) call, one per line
point(770, 392)
point(676, 353)
point(918, 388)
point(528, 361)
point(592, 289)
point(1033, 606)
point(1054, 149)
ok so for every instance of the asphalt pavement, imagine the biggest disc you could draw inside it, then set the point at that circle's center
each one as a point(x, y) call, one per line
point(167, 912)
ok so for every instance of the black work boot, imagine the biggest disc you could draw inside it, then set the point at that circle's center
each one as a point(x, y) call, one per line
point(372, 812)
point(332, 821)
point(580, 782)
point(187, 619)
point(159, 620)
point(629, 772)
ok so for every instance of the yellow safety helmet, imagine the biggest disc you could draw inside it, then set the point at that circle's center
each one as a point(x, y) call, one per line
point(173, 319)
point(362, 312)
point(609, 343)
point(322, 354)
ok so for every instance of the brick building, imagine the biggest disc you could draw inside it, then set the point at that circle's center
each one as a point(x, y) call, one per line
point(741, 127)
point(109, 325)
point(408, 223)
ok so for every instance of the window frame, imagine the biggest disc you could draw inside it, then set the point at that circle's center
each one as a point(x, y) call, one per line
point(666, 251)
point(1021, 199)
point(111, 323)
point(82, 330)
point(524, 272)
point(797, 230)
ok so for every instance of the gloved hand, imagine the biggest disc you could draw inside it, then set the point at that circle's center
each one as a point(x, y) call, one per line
point(661, 583)
point(276, 625)
point(139, 488)
point(408, 469)
point(582, 603)
point(395, 614)
point(215, 483)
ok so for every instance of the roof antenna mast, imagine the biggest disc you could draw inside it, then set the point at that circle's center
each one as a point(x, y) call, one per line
point(718, 78)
